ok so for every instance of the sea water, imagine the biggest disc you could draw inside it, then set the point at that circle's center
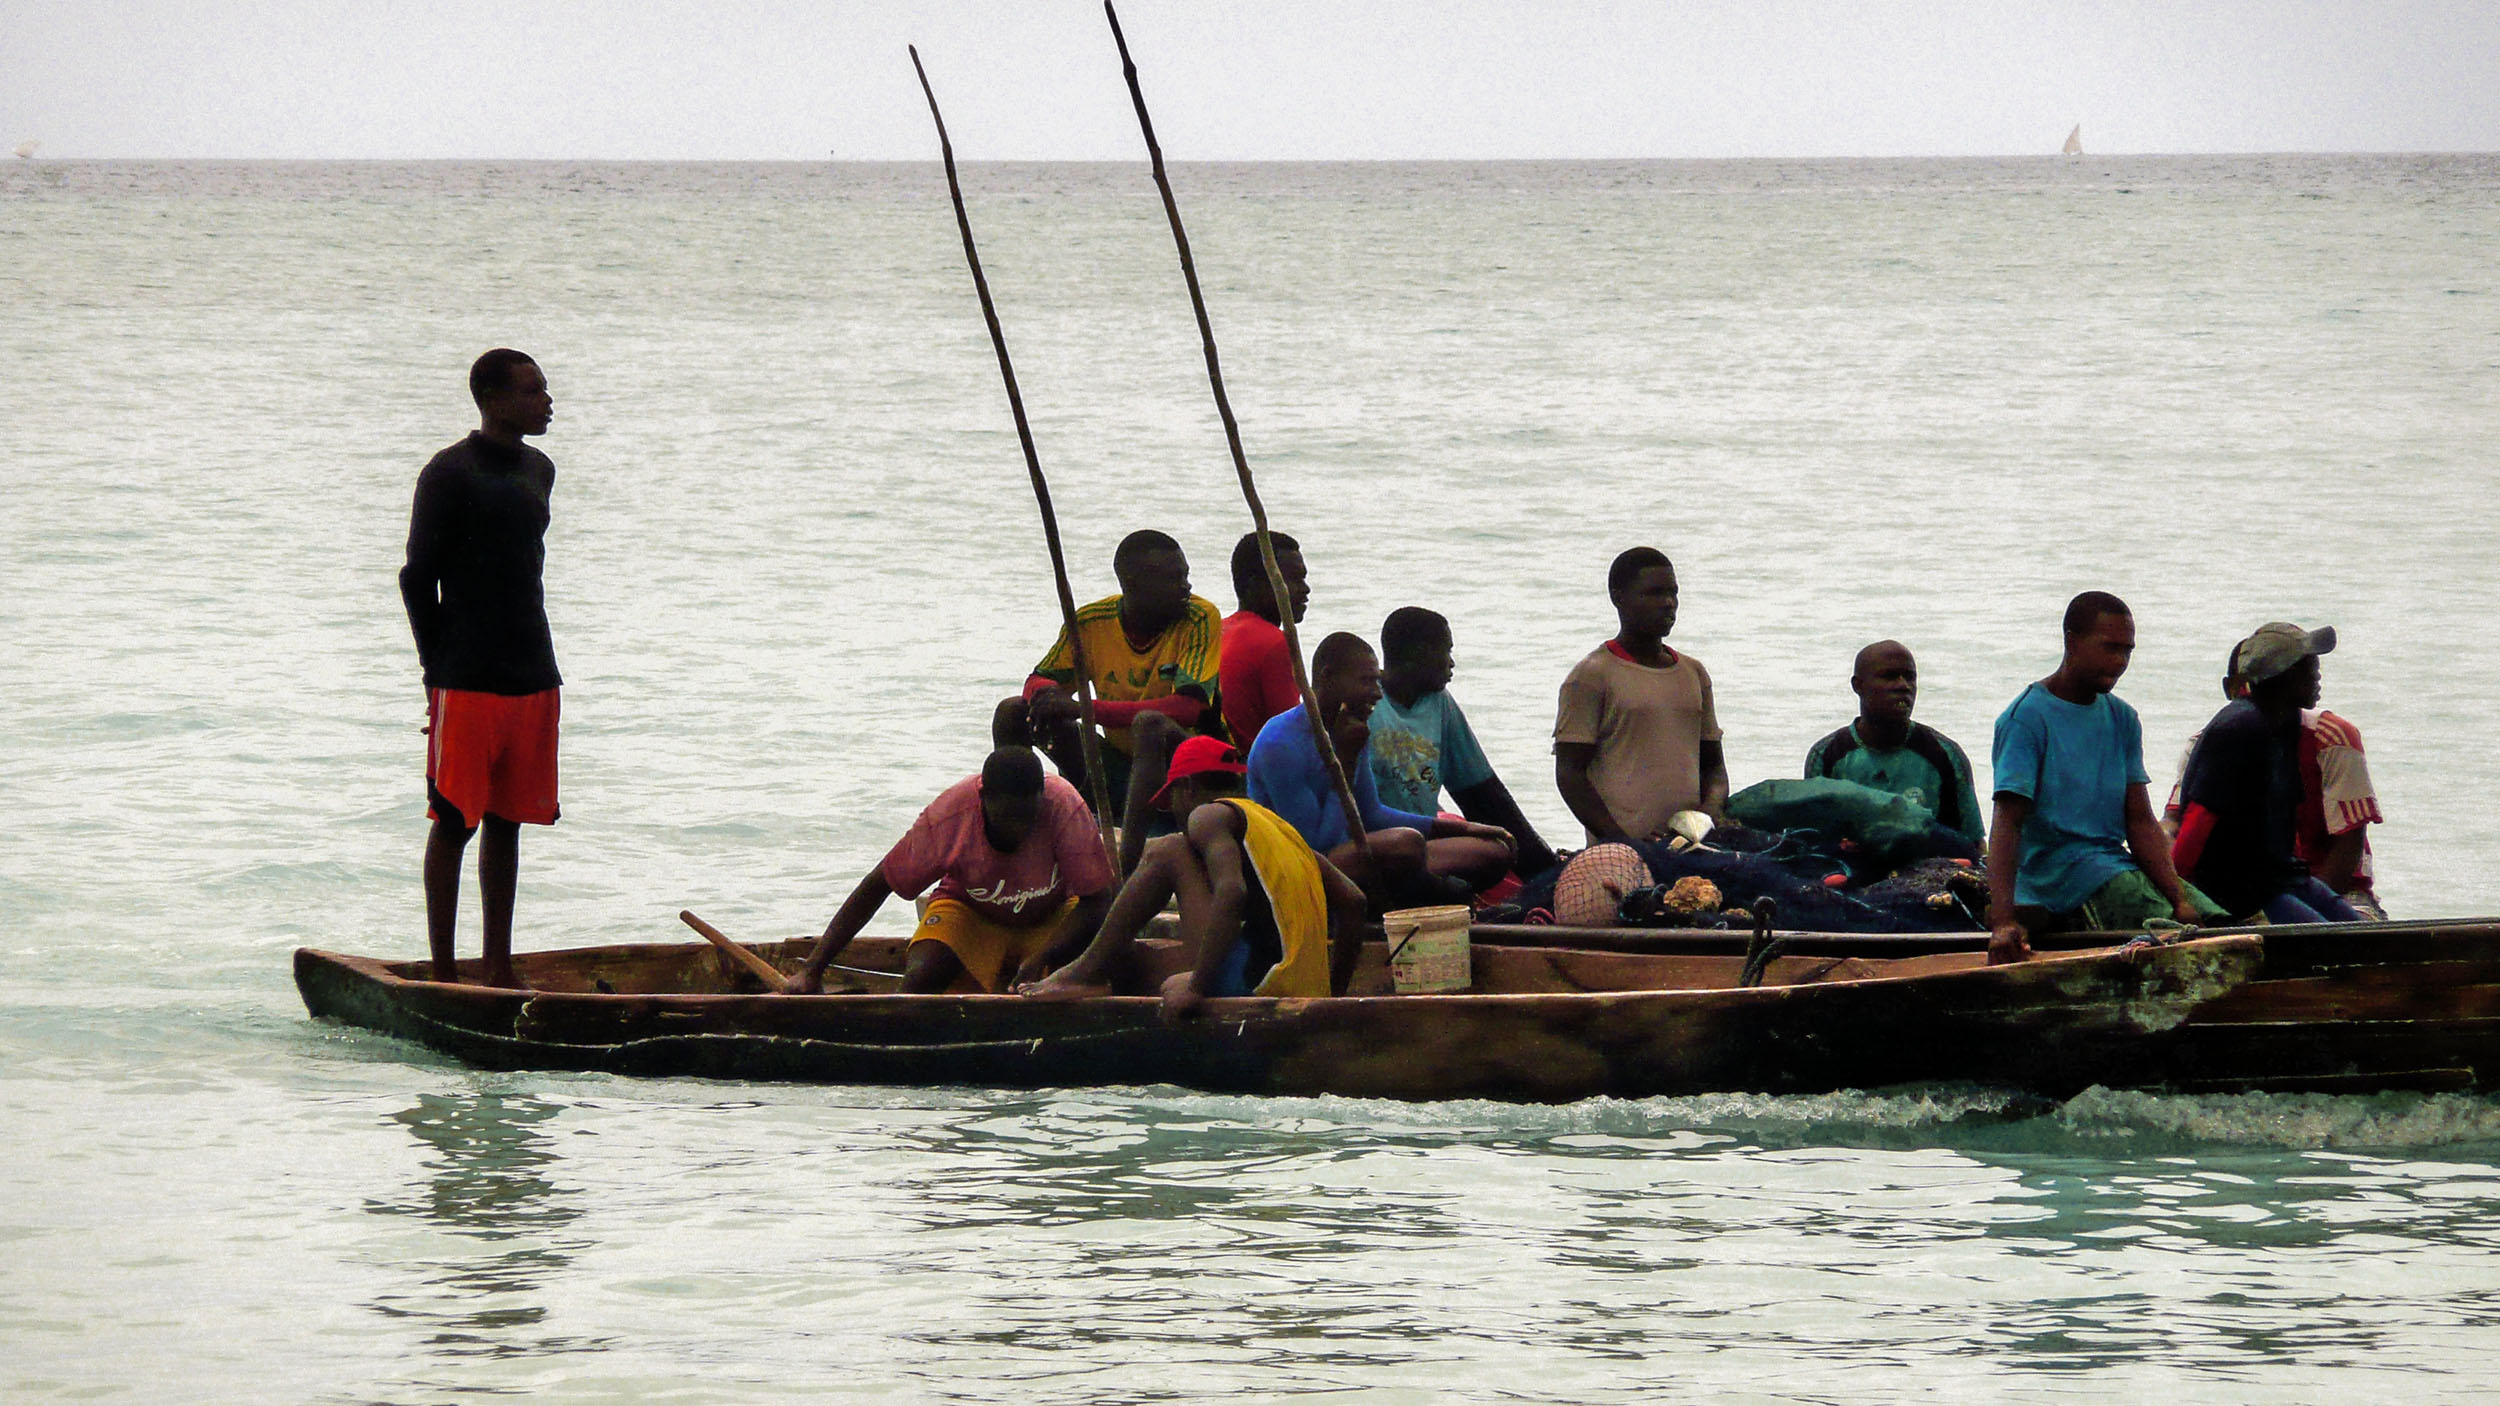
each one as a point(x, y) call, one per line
point(794, 561)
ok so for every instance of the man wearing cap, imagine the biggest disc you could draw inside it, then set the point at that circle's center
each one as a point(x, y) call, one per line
point(2074, 843)
point(1261, 913)
point(2241, 793)
point(1019, 873)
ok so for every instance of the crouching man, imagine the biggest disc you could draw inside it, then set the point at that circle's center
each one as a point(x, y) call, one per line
point(1021, 879)
point(1261, 912)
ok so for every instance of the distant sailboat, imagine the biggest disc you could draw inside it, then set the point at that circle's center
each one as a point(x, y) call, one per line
point(2074, 142)
point(26, 150)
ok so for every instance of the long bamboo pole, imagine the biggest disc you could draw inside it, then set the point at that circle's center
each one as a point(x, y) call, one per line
point(1088, 742)
point(1232, 438)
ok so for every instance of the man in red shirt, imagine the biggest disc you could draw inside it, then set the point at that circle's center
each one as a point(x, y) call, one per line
point(1020, 876)
point(1255, 679)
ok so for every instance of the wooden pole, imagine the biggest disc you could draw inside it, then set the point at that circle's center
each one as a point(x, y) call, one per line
point(1232, 438)
point(1088, 742)
point(766, 972)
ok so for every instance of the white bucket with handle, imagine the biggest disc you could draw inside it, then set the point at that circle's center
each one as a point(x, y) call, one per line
point(1428, 949)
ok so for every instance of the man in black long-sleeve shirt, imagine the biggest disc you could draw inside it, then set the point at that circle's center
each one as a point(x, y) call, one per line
point(476, 549)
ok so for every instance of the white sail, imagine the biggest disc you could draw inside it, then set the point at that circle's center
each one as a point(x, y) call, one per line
point(26, 149)
point(2074, 141)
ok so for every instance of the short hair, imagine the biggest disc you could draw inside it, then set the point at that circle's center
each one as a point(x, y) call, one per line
point(1012, 771)
point(1337, 651)
point(1631, 564)
point(1410, 630)
point(1137, 544)
point(492, 372)
point(2086, 610)
point(1250, 573)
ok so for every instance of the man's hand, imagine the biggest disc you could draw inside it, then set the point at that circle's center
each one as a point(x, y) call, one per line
point(1495, 833)
point(1349, 732)
point(1053, 708)
point(2007, 942)
point(1181, 997)
point(804, 983)
point(2188, 912)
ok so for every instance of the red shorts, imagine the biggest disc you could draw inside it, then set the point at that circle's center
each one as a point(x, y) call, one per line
point(490, 754)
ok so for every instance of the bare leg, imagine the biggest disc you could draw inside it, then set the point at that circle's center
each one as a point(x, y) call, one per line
point(1154, 736)
point(443, 849)
point(1479, 862)
point(498, 876)
point(1158, 877)
point(930, 967)
point(1388, 868)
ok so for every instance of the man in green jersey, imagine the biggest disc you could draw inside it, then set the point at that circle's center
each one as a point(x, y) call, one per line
point(1887, 751)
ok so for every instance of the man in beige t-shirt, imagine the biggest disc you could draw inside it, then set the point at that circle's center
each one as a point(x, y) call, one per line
point(1636, 737)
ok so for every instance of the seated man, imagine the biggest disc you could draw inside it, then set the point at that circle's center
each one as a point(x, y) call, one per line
point(1421, 742)
point(1262, 914)
point(2337, 802)
point(1400, 848)
point(1020, 872)
point(1255, 679)
point(1885, 750)
point(1636, 736)
point(2242, 792)
point(2073, 844)
point(1154, 652)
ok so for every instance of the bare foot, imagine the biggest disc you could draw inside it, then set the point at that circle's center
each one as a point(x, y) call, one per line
point(505, 977)
point(1060, 988)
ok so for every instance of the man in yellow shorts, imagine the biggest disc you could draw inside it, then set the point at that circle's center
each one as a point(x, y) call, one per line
point(1264, 915)
point(1020, 875)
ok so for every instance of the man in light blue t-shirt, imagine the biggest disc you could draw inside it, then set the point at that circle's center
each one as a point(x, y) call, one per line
point(1421, 743)
point(2074, 843)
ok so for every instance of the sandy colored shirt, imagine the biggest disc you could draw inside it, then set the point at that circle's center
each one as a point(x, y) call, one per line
point(949, 846)
point(1647, 725)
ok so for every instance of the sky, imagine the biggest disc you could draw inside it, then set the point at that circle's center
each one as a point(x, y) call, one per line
point(1279, 80)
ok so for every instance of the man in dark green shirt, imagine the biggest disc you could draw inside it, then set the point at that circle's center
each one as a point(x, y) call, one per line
point(1887, 751)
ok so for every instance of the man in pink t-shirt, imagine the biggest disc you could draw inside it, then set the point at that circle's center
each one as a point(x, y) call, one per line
point(1019, 873)
point(1254, 681)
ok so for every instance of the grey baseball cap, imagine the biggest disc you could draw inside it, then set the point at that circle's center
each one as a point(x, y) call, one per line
point(2279, 646)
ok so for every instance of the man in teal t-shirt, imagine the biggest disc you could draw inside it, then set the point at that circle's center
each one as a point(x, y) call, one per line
point(1421, 743)
point(2074, 843)
point(1887, 751)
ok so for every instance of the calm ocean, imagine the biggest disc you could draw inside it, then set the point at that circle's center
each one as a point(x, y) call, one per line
point(794, 561)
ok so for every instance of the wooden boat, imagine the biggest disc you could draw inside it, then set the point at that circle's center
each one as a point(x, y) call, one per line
point(2337, 1008)
point(1538, 1023)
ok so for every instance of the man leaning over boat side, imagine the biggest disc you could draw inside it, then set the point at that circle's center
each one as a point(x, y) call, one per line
point(1406, 858)
point(1155, 650)
point(1255, 677)
point(1636, 733)
point(1421, 742)
point(1884, 749)
point(2241, 789)
point(1020, 878)
point(1261, 914)
point(2073, 843)
point(475, 593)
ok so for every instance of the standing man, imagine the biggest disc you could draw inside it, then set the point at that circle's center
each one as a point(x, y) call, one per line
point(1255, 678)
point(476, 603)
point(1887, 751)
point(2074, 844)
point(1636, 737)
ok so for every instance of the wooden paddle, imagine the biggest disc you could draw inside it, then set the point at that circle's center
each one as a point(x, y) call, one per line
point(770, 975)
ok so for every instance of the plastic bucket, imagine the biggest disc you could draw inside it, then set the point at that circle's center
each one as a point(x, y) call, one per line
point(1428, 949)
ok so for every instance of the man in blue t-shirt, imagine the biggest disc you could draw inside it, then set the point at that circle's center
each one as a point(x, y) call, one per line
point(2074, 843)
point(1421, 742)
point(1289, 775)
point(1885, 750)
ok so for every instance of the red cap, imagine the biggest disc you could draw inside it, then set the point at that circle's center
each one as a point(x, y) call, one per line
point(1197, 756)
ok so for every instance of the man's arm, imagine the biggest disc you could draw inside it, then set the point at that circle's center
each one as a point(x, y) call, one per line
point(1490, 801)
point(1345, 924)
point(1214, 832)
point(1714, 780)
point(2150, 845)
point(2007, 942)
point(2343, 859)
point(1571, 777)
point(853, 915)
point(429, 530)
